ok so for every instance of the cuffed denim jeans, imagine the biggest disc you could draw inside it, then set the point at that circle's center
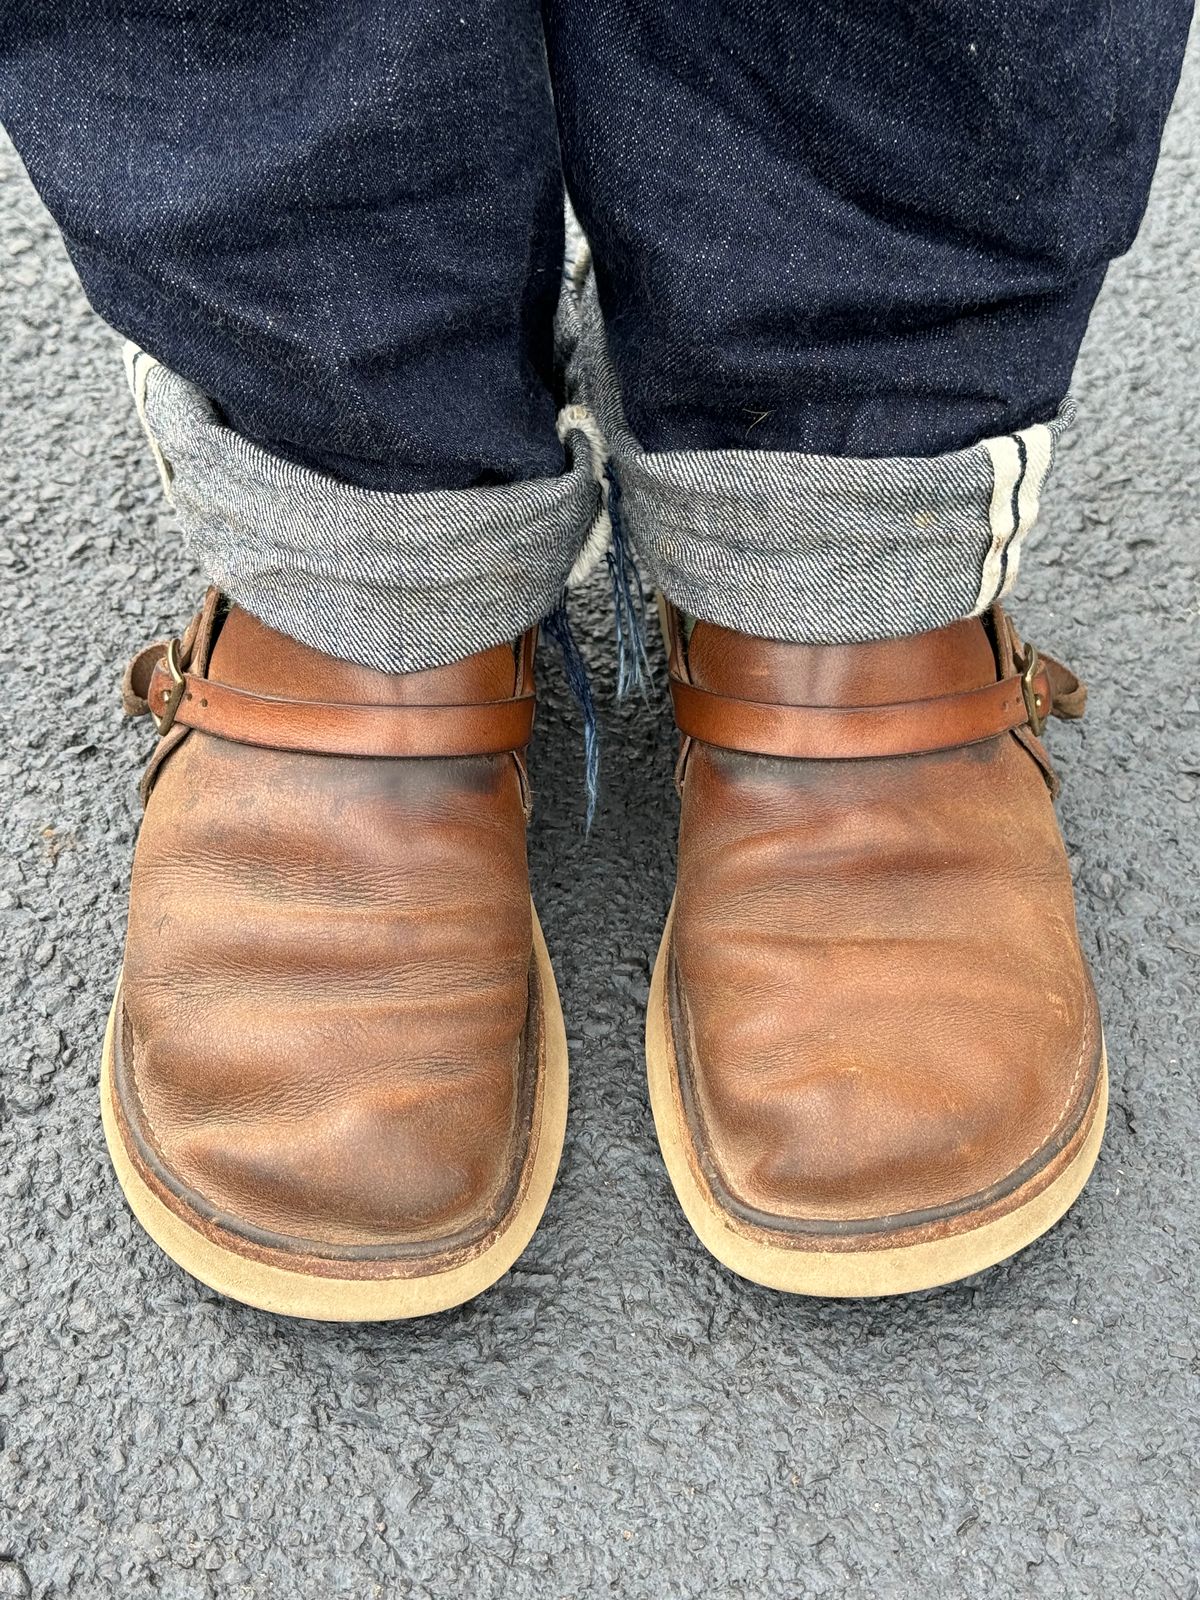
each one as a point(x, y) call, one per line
point(842, 257)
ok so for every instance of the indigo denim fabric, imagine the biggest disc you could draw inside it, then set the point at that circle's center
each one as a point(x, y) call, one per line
point(821, 549)
point(844, 251)
point(396, 581)
point(343, 221)
point(855, 227)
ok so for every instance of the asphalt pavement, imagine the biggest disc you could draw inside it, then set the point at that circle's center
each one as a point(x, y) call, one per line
point(621, 1416)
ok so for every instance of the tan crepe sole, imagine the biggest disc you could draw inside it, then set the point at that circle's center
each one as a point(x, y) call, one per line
point(328, 1299)
point(842, 1273)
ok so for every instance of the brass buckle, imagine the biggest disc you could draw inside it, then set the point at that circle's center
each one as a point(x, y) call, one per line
point(1034, 708)
point(164, 720)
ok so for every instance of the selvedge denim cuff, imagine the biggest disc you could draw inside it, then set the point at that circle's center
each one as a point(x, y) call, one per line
point(815, 549)
point(398, 582)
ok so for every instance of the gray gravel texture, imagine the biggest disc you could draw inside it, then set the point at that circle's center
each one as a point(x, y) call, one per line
point(620, 1416)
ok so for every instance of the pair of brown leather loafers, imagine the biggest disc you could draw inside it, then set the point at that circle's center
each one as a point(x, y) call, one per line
point(335, 1076)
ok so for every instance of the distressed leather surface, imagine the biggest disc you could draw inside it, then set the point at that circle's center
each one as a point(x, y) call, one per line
point(326, 976)
point(882, 1013)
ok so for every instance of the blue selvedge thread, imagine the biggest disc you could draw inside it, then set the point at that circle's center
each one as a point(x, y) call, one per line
point(629, 602)
point(558, 625)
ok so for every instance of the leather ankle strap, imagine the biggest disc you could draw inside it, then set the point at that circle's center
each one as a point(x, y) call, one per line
point(843, 733)
point(1030, 689)
point(178, 698)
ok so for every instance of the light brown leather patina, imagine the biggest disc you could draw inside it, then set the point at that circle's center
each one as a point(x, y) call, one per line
point(329, 1030)
point(323, 727)
point(880, 1018)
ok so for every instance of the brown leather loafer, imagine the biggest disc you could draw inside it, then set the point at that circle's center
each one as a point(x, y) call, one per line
point(874, 1051)
point(335, 1077)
